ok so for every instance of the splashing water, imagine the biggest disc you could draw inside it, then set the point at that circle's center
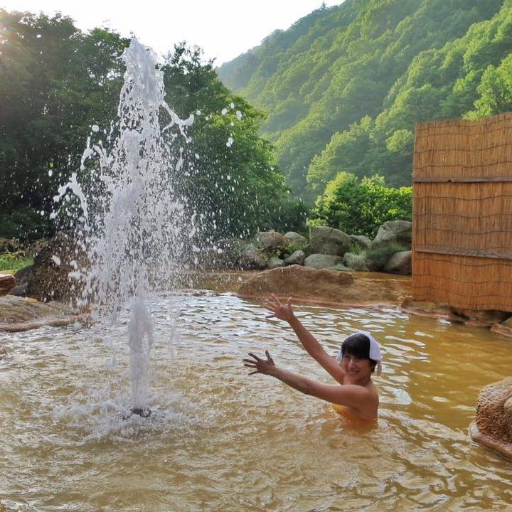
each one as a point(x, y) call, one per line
point(133, 223)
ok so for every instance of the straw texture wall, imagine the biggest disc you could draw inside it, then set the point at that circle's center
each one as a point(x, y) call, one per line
point(462, 237)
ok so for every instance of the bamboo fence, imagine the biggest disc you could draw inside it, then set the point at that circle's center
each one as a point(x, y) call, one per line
point(462, 208)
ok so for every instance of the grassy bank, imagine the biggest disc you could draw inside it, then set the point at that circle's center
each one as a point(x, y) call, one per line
point(11, 262)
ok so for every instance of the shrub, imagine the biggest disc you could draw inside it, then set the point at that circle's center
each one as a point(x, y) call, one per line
point(24, 224)
point(360, 207)
point(13, 261)
point(356, 261)
point(356, 249)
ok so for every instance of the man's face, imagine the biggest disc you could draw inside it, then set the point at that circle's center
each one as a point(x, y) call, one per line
point(355, 366)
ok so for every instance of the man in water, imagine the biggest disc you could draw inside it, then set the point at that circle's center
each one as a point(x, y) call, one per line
point(352, 369)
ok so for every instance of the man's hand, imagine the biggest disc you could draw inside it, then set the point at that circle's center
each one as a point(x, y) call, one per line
point(265, 366)
point(281, 311)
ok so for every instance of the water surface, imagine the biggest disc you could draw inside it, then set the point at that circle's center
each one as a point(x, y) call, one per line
point(221, 440)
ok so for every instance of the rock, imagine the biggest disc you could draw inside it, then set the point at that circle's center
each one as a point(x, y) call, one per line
point(356, 261)
point(399, 263)
point(447, 312)
point(296, 258)
point(59, 257)
point(225, 254)
point(21, 314)
point(296, 238)
point(378, 257)
point(275, 262)
point(23, 277)
point(493, 423)
point(7, 283)
point(272, 242)
point(504, 328)
point(486, 318)
point(325, 287)
point(427, 309)
point(362, 241)
point(321, 261)
point(394, 231)
point(252, 259)
point(330, 241)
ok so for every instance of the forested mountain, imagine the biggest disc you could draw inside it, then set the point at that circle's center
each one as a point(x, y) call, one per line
point(344, 86)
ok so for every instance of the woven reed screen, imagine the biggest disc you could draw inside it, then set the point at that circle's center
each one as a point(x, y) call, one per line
point(462, 235)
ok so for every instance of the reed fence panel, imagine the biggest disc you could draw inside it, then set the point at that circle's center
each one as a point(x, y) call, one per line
point(462, 209)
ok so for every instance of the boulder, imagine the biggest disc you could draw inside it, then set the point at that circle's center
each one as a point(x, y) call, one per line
point(275, 262)
point(474, 318)
point(399, 263)
point(325, 240)
point(322, 261)
point(485, 318)
point(296, 258)
point(394, 231)
point(272, 242)
point(503, 328)
point(23, 277)
point(252, 258)
point(7, 283)
point(426, 309)
point(377, 257)
point(21, 314)
point(53, 264)
point(325, 287)
point(295, 238)
point(493, 423)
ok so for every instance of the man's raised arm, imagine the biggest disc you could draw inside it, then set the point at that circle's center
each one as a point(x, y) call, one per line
point(309, 342)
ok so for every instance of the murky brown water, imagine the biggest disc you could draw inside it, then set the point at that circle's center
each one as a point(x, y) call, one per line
point(222, 441)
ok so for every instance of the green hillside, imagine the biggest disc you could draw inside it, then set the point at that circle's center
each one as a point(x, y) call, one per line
point(344, 86)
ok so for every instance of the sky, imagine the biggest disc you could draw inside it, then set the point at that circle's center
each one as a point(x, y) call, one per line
point(222, 28)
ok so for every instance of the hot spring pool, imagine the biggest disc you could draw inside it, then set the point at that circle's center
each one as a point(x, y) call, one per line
point(219, 440)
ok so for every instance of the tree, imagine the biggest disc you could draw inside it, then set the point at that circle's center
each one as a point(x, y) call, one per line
point(55, 82)
point(235, 186)
point(495, 90)
point(360, 207)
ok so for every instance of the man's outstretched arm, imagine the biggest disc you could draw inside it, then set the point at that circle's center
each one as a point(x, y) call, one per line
point(352, 396)
point(309, 342)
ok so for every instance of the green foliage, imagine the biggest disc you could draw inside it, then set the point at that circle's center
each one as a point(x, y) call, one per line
point(401, 142)
point(395, 62)
point(360, 207)
point(24, 224)
point(235, 186)
point(13, 261)
point(343, 153)
point(495, 90)
point(356, 249)
point(296, 246)
point(356, 261)
point(56, 82)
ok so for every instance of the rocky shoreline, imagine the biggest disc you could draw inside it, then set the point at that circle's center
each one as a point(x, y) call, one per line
point(19, 314)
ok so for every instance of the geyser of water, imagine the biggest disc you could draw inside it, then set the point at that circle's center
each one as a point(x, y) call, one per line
point(133, 224)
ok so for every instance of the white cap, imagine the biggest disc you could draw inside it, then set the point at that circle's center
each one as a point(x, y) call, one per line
point(375, 353)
